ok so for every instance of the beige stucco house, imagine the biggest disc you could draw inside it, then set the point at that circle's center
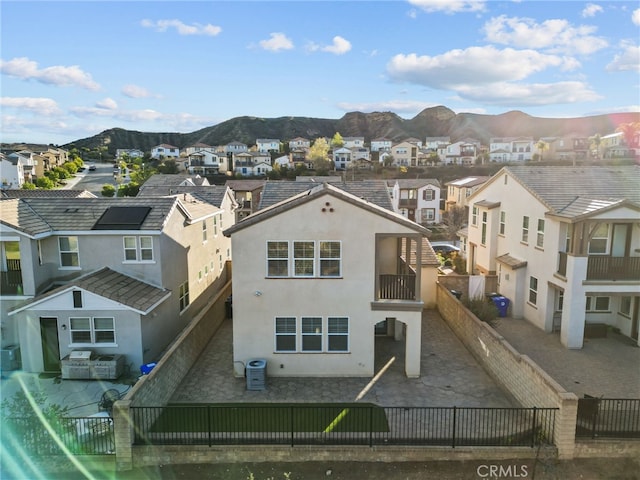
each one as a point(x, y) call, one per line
point(314, 274)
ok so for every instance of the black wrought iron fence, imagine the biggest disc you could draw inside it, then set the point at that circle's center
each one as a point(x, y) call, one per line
point(608, 418)
point(341, 424)
point(75, 435)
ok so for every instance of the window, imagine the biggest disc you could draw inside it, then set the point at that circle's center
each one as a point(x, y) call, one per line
point(427, 195)
point(330, 259)
point(92, 330)
point(286, 334)
point(599, 240)
point(540, 236)
point(204, 231)
point(525, 229)
point(311, 334)
point(428, 214)
point(137, 249)
point(338, 334)
point(277, 259)
point(533, 290)
point(483, 239)
point(303, 259)
point(503, 220)
point(69, 251)
point(625, 306)
point(77, 299)
point(597, 304)
point(215, 226)
point(474, 215)
point(183, 295)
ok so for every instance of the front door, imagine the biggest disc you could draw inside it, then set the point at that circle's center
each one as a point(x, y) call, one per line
point(50, 346)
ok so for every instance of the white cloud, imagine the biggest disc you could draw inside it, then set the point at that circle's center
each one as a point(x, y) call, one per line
point(591, 9)
point(107, 104)
point(277, 41)
point(635, 16)
point(340, 46)
point(510, 94)
point(474, 65)
point(449, 6)
point(135, 91)
point(628, 60)
point(395, 106)
point(58, 75)
point(182, 28)
point(39, 106)
point(555, 35)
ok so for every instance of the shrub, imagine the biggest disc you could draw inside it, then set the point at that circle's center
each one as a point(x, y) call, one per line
point(484, 310)
point(108, 190)
point(45, 183)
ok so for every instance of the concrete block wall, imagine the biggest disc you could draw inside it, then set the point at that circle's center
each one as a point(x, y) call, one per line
point(461, 283)
point(516, 373)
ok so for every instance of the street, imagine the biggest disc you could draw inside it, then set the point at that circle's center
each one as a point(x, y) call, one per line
point(93, 181)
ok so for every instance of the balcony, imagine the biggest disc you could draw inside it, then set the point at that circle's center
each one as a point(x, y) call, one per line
point(408, 202)
point(397, 287)
point(11, 279)
point(603, 267)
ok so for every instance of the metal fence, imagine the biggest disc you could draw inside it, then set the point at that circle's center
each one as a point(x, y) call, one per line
point(279, 424)
point(75, 435)
point(608, 418)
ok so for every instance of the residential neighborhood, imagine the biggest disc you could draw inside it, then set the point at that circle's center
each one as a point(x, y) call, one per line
point(209, 268)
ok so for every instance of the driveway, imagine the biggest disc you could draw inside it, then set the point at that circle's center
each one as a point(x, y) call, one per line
point(450, 376)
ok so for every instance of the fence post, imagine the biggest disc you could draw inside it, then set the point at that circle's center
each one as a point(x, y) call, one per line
point(123, 434)
point(594, 425)
point(453, 433)
point(533, 428)
point(291, 409)
point(209, 423)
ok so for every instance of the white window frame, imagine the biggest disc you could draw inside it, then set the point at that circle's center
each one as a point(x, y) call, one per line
point(474, 215)
point(311, 328)
point(525, 229)
point(282, 328)
point(142, 247)
point(503, 221)
point(533, 290)
point(93, 330)
point(304, 260)
point(624, 306)
point(428, 195)
point(183, 296)
point(278, 257)
point(204, 231)
point(337, 333)
point(295, 258)
point(322, 260)
point(605, 247)
point(593, 304)
point(540, 233)
point(72, 252)
point(483, 234)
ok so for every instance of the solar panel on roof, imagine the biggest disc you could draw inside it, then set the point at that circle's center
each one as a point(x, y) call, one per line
point(122, 218)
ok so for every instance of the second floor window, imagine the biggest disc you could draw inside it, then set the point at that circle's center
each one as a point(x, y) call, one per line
point(204, 231)
point(183, 295)
point(427, 195)
point(138, 249)
point(306, 259)
point(474, 215)
point(483, 239)
point(503, 221)
point(525, 229)
point(599, 240)
point(540, 236)
point(69, 251)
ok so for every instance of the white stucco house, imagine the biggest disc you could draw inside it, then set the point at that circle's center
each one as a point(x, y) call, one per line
point(11, 171)
point(315, 273)
point(417, 199)
point(165, 151)
point(119, 276)
point(565, 244)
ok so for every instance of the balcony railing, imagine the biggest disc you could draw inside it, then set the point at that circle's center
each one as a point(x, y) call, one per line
point(397, 287)
point(11, 280)
point(603, 267)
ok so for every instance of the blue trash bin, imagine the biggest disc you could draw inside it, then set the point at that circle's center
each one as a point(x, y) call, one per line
point(501, 303)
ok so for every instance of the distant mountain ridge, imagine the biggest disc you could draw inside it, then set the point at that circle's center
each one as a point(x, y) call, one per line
point(431, 122)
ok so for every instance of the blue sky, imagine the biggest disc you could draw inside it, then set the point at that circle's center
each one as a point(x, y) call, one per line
point(70, 70)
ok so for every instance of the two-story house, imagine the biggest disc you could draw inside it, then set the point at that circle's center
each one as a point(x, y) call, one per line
point(381, 144)
point(353, 142)
point(252, 163)
point(11, 171)
point(405, 154)
point(119, 276)
point(417, 199)
point(461, 153)
point(459, 190)
point(247, 194)
point(312, 277)
point(511, 149)
point(565, 244)
point(267, 145)
point(206, 162)
point(53, 157)
point(299, 143)
point(165, 152)
point(122, 153)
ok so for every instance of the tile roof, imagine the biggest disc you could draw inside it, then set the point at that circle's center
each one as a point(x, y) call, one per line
point(165, 180)
point(414, 182)
point(35, 216)
point(212, 194)
point(573, 190)
point(245, 185)
point(22, 193)
point(468, 181)
point(131, 292)
point(511, 261)
point(374, 191)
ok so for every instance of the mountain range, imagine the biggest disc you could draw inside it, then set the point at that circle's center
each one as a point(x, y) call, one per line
point(431, 122)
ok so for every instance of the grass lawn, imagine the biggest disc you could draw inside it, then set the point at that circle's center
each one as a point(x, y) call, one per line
point(272, 417)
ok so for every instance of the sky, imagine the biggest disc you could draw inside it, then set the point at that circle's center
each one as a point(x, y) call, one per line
point(70, 70)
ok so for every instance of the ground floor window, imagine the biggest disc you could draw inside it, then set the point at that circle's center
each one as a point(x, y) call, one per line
point(92, 330)
point(625, 306)
point(597, 304)
point(533, 290)
point(312, 334)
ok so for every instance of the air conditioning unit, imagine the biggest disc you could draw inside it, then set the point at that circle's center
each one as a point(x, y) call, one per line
point(10, 358)
point(256, 374)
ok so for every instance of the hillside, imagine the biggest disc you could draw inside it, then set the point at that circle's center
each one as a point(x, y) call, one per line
point(431, 122)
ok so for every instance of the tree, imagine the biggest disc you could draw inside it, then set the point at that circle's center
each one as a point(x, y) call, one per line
point(28, 186)
point(630, 131)
point(454, 219)
point(319, 150)
point(108, 190)
point(45, 183)
point(542, 146)
point(168, 167)
point(337, 141)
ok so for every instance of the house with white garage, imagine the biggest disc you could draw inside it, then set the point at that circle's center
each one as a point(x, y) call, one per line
point(565, 244)
point(119, 276)
point(315, 273)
